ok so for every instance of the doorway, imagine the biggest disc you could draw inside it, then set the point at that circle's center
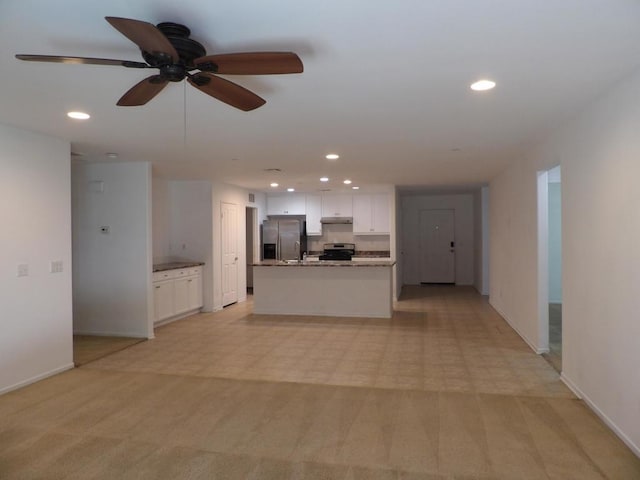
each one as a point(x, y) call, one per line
point(229, 232)
point(437, 246)
point(550, 265)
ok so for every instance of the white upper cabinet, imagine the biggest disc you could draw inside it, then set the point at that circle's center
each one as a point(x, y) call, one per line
point(314, 213)
point(338, 205)
point(371, 214)
point(289, 204)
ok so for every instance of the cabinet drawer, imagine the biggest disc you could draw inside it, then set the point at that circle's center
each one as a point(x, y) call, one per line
point(164, 275)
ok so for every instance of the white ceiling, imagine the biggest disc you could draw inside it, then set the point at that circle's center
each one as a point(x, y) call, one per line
point(386, 84)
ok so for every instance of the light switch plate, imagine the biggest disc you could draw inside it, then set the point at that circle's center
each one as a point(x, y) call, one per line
point(55, 266)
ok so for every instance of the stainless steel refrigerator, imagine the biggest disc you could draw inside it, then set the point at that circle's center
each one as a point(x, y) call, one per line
point(283, 239)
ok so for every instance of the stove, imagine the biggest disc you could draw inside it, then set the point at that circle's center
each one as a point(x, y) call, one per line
point(338, 251)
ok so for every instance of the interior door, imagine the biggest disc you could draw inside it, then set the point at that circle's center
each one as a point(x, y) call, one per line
point(229, 231)
point(437, 244)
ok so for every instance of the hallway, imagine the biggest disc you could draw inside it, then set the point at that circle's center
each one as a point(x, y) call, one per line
point(444, 390)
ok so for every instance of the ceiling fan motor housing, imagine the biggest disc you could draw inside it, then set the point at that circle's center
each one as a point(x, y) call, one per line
point(187, 48)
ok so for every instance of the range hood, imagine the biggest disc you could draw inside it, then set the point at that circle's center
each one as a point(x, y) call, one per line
point(340, 220)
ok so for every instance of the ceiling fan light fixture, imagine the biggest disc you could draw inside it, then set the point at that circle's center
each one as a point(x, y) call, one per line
point(78, 115)
point(483, 85)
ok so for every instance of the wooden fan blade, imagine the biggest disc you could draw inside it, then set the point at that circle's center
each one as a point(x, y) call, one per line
point(226, 91)
point(143, 91)
point(145, 35)
point(251, 63)
point(81, 60)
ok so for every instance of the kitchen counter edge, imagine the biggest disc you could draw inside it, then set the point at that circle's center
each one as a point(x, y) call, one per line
point(325, 263)
point(161, 267)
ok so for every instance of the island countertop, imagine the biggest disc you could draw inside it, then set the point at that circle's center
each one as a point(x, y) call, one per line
point(161, 267)
point(325, 263)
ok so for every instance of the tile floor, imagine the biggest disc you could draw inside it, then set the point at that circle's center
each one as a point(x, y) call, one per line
point(444, 390)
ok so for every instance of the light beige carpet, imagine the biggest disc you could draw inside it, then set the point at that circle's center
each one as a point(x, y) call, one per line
point(471, 402)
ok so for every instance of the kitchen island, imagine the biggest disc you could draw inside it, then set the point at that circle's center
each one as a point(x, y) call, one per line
point(325, 288)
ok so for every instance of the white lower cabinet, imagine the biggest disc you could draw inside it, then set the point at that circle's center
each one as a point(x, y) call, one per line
point(194, 291)
point(163, 299)
point(177, 292)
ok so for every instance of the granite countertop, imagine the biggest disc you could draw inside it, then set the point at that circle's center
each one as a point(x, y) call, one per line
point(161, 267)
point(324, 263)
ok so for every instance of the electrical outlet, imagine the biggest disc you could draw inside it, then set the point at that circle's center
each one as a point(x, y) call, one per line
point(23, 270)
point(55, 266)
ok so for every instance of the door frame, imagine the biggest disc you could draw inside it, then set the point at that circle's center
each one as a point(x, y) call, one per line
point(543, 262)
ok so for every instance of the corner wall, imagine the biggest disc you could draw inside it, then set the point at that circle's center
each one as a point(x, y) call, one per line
point(598, 152)
point(112, 292)
point(36, 338)
point(481, 240)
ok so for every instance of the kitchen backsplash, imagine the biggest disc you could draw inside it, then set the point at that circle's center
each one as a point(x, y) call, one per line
point(339, 233)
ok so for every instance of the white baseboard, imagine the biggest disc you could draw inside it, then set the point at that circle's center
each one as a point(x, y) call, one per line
point(37, 378)
point(177, 317)
point(109, 334)
point(610, 423)
point(532, 346)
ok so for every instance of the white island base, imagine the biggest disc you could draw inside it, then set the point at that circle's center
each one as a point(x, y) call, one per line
point(353, 290)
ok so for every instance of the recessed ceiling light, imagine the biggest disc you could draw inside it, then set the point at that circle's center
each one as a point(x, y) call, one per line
point(78, 115)
point(274, 184)
point(324, 179)
point(482, 85)
point(291, 189)
point(112, 155)
point(347, 182)
point(356, 188)
point(332, 156)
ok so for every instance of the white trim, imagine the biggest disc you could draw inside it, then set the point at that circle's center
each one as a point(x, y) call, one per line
point(610, 423)
point(576, 391)
point(37, 378)
point(543, 260)
point(180, 316)
point(537, 350)
point(109, 334)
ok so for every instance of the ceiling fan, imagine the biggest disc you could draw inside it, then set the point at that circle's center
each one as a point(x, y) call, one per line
point(168, 48)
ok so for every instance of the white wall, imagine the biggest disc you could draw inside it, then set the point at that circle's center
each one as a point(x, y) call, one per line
point(35, 214)
point(161, 222)
point(462, 204)
point(112, 292)
point(555, 242)
point(598, 152)
point(481, 240)
point(190, 229)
